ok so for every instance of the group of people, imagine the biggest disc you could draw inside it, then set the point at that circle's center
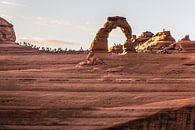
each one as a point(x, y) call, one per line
point(48, 49)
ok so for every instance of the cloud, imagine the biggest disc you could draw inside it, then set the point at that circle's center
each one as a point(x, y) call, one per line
point(82, 28)
point(60, 23)
point(51, 22)
point(52, 43)
point(8, 3)
point(6, 16)
point(87, 22)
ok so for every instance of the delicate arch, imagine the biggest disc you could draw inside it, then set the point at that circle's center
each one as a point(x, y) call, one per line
point(100, 43)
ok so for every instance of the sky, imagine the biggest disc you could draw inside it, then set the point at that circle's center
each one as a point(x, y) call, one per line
point(74, 23)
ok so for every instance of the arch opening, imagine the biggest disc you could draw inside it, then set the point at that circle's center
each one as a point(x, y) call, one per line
point(116, 39)
point(101, 41)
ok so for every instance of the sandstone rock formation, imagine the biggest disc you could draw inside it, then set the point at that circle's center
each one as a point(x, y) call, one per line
point(6, 31)
point(170, 119)
point(173, 47)
point(145, 36)
point(184, 46)
point(117, 48)
point(186, 38)
point(100, 43)
point(159, 41)
point(91, 61)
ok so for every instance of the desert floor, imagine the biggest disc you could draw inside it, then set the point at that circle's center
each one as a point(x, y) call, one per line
point(41, 91)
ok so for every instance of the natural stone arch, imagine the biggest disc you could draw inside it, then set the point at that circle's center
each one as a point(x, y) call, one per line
point(100, 43)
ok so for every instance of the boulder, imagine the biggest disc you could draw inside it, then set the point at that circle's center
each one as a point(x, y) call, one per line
point(145, 36)
point(91, 60)
point(158, 41)
point(117, 48)
point(7, 32)
point(186, 38)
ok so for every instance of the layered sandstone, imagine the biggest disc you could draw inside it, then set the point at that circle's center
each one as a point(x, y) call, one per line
point(145, 36)
point(158, 41)
point(45, 91)
point(7, 32)
point(168, 118)
point(185, 45)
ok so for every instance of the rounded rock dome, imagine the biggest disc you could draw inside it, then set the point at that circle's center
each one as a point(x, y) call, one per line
point(7, 32)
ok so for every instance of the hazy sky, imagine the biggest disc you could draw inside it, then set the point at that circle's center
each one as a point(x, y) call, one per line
point(74, 23)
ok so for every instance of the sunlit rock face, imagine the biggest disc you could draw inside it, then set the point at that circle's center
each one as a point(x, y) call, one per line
point(184, 45)
point(158, 41)
point(100, 42)
point(7, 32)
point(145, 36)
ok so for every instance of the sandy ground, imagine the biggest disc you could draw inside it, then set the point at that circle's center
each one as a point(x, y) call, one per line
point(41, 91)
